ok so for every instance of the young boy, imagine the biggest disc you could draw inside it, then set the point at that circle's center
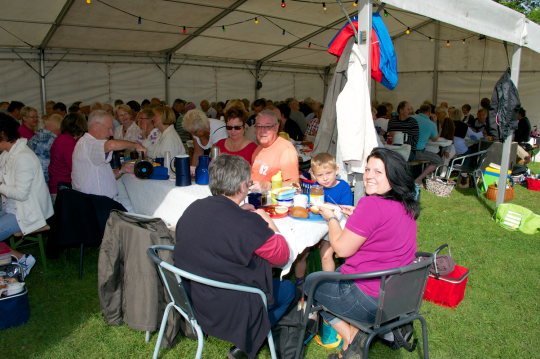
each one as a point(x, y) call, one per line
point(336, 191)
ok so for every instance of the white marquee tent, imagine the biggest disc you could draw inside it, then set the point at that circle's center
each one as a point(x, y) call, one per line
point(214, 50)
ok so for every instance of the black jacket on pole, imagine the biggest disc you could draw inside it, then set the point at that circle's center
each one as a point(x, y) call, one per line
point(504, 108)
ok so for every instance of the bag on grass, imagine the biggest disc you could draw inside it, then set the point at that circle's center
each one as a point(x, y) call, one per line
point(402, 337)
point(440, 185)
point(328, 337)
point(514, 217)
point(286, 331)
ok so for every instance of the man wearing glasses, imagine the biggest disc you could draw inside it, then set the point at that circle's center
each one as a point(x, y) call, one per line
point(274, 154)
point(92, 173)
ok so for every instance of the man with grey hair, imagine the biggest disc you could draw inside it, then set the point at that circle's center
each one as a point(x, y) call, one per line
point(225, 251)
point(296, 115)
point(273, 155)
point(209, 111)
point(91, 172)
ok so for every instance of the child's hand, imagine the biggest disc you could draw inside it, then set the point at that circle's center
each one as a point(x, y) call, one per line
point(347, 210)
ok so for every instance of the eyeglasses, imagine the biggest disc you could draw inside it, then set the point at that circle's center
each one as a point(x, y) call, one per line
point(145, 118)
point(107, 127)
point(32, 117)
point(237, 128)
point(265, 128)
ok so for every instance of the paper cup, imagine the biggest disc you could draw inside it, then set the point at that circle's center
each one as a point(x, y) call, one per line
point(300, 200)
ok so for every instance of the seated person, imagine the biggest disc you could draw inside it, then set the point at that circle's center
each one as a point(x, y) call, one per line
point(468, 117)
point(479, 124)
point(29, 121)
point(92, 173)
point(313, 126)
point(287, 125)
point(461, 132)
point(380, 234)
point(26, 203)
point(169, 140)
point(428, 132)
point(206, 133)
point(406, 124)
point(72, 128)
point(236, 143)
point(41, 143)
point(258, 106)
point(147, 124)
point(128, 131)
point(381, 120)
point(523, 135)
point(226, 252)
point(274, 154)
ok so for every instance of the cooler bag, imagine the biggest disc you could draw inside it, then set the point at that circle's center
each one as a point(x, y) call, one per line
point(533, 184)
point(14, 310)
point(447, 291)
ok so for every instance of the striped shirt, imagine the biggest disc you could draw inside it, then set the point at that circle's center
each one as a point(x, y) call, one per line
point(408, 126)
point(92, 173)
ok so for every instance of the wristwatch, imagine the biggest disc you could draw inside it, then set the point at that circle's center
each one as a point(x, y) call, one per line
point(120, 171)
point(334, 217)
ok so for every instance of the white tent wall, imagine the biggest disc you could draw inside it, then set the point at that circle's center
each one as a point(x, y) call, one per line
point(136, 82)
point(19, 83)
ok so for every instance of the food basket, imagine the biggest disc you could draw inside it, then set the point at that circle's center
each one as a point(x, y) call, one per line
point(492, 191)
point(439, 185)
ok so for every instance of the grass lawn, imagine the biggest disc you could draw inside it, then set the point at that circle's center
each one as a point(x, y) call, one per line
point(499, 316)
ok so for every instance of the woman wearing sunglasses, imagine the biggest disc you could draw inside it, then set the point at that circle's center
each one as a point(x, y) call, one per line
point(237, 144)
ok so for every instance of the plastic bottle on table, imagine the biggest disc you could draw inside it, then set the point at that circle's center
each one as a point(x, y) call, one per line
point(277, 182)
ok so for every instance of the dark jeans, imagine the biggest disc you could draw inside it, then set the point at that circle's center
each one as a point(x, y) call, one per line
point(342, 297)
point(283, 296)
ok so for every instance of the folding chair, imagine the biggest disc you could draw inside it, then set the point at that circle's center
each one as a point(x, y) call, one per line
point(172, 279)
point(400, 298)
point(468, 169)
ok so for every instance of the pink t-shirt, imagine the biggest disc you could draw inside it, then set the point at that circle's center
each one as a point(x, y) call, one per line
point(245, 152)
point(25, 132)
point(61, 161)
point(390, 243)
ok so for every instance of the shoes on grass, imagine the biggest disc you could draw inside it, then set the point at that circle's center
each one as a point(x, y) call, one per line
point(235, 353)
point(27, 262)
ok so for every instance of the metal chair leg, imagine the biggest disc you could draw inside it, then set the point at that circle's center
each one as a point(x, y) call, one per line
point(271, 345)
point(42, 250)
point(200, 341)
point(476, 184)
point(424, 337)
point(162, 329)
point(81, 261)
point(147, 337)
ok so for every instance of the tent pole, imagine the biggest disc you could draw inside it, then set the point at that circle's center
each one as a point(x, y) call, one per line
point(505, 160)
point(325, 88)
point(257, 69)
point(436, 64)
point(42, 75)
point(167, 78)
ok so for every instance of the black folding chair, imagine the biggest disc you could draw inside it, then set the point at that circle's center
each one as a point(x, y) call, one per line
point(476, 170)
point(400, 298)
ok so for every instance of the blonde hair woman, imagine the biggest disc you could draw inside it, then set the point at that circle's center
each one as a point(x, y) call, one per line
point(206, 132)
point(128, 131)
point(164, 120)
point(30, 120)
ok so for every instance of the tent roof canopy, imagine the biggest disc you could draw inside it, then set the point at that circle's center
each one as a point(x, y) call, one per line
point(112, 26)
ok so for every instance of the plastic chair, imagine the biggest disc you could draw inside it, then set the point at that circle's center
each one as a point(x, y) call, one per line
point(472, 170)
point(400, 298)
point(172, 279)
point(35, 236)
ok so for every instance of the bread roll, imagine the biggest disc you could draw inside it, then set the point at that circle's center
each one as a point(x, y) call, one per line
point(11, 280)
point(299, 212)
point(315, 210)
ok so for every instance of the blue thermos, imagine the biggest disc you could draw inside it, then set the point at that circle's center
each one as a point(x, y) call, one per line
point(201, 172)
point(181, 168)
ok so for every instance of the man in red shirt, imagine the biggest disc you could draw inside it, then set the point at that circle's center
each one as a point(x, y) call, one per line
point(274, 154)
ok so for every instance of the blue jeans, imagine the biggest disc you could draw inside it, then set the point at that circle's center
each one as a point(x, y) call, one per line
point(342, 297)
point(283, 296)
point(8, 225)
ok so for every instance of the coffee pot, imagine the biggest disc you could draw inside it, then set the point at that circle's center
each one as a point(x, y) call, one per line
point(144, 169)
point(399, 138)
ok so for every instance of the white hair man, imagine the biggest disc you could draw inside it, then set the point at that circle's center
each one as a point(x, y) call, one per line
point(296, 115)
point(91, 171)
point(42, 141)
point(274, 153)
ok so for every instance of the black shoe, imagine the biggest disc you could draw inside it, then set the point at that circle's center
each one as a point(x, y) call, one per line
point(235, 353)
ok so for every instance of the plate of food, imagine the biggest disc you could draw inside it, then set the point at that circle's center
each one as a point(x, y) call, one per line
point(276, 211)
point(303, 214)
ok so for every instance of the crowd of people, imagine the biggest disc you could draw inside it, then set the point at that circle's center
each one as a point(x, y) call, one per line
point(74, 145)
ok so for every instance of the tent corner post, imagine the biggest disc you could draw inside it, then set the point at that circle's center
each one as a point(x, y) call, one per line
point(365, 16)
point(436, 64)
point(257, 70)
point(507, 145)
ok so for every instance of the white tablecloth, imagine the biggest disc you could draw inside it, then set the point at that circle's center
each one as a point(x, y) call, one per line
point(164, 200)
point(434, 146)
point(404, 150)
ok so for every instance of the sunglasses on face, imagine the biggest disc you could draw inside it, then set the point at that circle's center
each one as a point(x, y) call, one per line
point(237, 128)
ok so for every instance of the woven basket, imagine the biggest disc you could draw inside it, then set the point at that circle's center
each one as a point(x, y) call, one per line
point(438, 188)
point(492, 191)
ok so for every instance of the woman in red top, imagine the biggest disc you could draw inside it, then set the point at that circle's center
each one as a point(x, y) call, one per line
point(72, 128)
point(237, 144)
point(30, 120)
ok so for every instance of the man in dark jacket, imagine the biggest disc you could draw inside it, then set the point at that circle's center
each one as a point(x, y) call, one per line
point(523, 135)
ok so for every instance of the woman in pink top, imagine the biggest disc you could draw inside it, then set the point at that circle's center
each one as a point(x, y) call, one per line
point(30, 120)
point(236, 144)
point(380, 234)
point(72, 128)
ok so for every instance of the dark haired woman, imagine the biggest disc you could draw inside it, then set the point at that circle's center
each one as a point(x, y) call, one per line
point(287, 125)
point(26, 203)
point(380, 234)
point(237, 144)
point(72, 128)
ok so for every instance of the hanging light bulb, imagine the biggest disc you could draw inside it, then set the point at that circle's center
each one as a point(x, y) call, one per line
point(356, 3)
point(324, 6)
point(447, 43)
point(139, 20)
point(430, 39)
point(223, 27)
point(309, 45)
point(88, 1)
point(408, 31)
point(256, 21)
point(463, 41)
point(282, 3)
point(283, 32)
point(385, 13)
point(184, 31)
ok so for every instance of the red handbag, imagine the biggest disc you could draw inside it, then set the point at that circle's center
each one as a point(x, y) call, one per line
point(533, 184)
point(447, 291)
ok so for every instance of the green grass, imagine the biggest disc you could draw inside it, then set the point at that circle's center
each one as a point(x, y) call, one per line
point(499, 316)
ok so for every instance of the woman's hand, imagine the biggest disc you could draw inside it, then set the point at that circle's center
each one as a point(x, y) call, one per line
point(261, 212)
point(347, 210)
point(326, 212)
point(140, 149)
point(248, 207)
